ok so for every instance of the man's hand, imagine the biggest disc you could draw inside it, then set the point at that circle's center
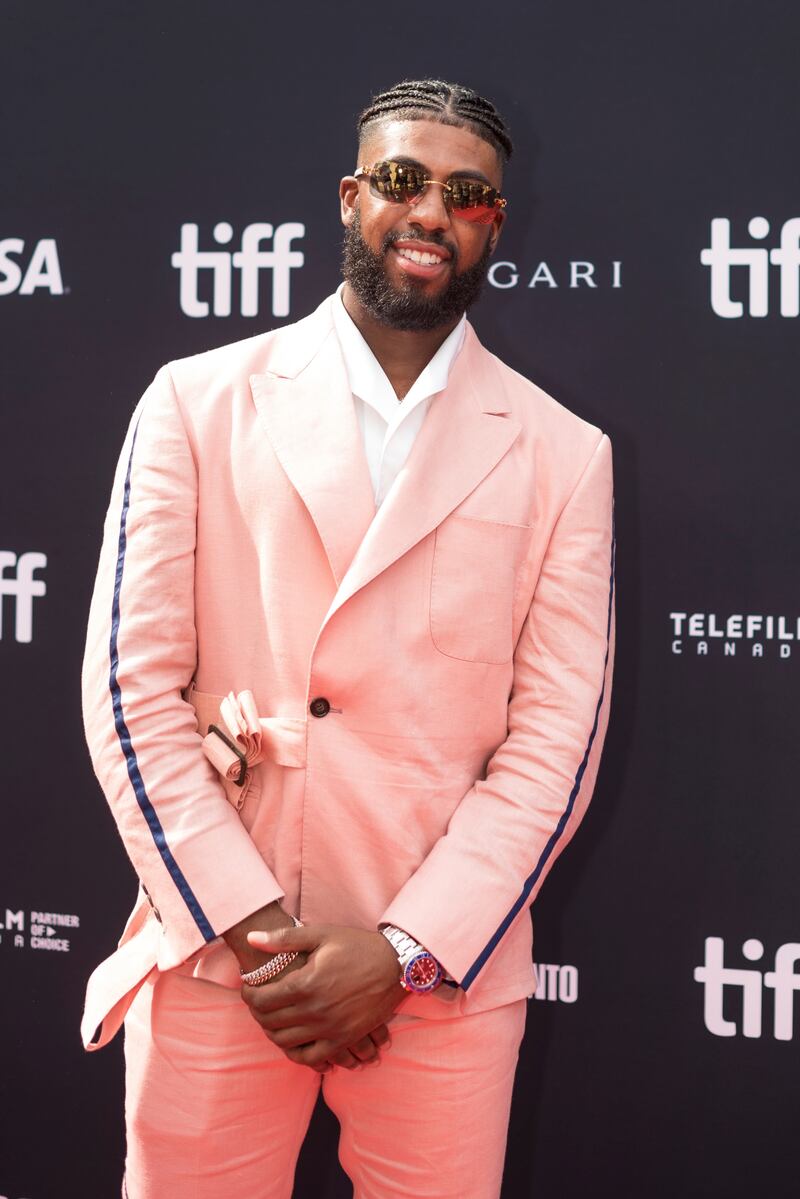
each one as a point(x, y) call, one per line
point(267, 919)
point(271, 917)
point(335, 1006)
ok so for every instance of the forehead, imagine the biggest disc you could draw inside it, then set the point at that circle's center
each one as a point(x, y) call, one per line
point(442, 149)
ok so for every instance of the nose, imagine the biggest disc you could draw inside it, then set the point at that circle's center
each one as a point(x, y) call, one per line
point(429, 210)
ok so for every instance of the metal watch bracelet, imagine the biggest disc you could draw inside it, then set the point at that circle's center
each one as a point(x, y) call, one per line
point(407, 949)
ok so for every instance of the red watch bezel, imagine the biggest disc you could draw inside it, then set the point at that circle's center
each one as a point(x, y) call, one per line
point(431, 977)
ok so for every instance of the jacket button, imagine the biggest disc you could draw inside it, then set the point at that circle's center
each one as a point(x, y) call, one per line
point(319, 707)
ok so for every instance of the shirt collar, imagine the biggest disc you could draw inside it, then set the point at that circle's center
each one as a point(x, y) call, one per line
point(367, 378)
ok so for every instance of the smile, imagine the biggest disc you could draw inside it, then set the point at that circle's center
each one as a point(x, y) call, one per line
point(420, 256)
point(426, 262)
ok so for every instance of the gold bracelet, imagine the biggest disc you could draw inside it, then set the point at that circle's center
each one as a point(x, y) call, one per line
point(275, 966)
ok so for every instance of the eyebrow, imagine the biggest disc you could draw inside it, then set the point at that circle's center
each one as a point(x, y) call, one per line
point(405, 161)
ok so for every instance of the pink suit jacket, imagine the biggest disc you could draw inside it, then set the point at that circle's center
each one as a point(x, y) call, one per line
point(462, 636)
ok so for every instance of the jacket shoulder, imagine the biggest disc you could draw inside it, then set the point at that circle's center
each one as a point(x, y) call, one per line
point(231, 365)
point(536, 408)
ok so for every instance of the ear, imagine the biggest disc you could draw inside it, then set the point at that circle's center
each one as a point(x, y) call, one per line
point(348, 198)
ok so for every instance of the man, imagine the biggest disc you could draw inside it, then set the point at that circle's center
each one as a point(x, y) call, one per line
point(348, 664)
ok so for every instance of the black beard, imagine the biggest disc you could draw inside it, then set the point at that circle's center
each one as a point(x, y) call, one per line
point(407, 309)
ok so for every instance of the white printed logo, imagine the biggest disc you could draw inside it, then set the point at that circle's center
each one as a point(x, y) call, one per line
point(504, 275)
point(42, 270)
point(556, 982)
point(23, 586)
point(720, 256)
point(48, 930)
point(783, 981)
point(250, 260)
point(708, 632)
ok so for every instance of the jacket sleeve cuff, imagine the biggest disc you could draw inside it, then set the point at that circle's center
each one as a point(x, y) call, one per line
point(224, 898)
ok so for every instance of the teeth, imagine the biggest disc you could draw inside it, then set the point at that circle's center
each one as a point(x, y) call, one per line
point(418, 256)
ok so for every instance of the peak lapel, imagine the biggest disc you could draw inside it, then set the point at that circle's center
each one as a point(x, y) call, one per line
point(466, 432)
point(311, 423)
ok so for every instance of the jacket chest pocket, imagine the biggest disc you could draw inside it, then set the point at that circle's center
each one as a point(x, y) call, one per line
point(476, 569)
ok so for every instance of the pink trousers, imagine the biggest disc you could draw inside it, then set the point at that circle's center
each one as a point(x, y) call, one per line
point(214, 1110)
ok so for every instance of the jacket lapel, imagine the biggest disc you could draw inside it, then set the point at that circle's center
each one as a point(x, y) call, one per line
point(466, 432)
point(306, 407)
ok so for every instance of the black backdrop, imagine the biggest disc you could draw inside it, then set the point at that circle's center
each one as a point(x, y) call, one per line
point(636, 126)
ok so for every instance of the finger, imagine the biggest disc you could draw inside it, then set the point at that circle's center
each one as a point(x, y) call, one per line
point(290, 1038)
point(381, 1036)
point(304, 939)
point(365, 1050)
point(315, 1055)
point(286, 1017)
point(306, 1009)
point(345, 1059)
point(280, 993)
point(269, 1025)
point(323, 1066)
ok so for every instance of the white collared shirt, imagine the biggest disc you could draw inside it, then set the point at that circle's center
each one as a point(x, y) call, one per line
point(389, 426)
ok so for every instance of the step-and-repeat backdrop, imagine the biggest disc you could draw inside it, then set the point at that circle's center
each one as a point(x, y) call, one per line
point(154, 158)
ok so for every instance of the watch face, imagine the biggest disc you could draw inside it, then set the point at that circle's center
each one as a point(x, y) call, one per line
point(423, 973)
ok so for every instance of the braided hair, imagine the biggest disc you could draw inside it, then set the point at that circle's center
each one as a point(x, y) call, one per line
point(448, 103)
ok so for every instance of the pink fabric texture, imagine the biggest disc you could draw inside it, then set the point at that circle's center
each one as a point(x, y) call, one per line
point(462, 636)
point(213, 1107)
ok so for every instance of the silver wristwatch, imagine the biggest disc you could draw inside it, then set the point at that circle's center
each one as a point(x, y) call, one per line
point(420, 971)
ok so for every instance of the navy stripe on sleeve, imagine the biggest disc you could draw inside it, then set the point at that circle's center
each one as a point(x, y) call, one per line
point(532, 879)
point(134, 773)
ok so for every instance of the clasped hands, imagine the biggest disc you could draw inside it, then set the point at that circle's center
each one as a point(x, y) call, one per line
point(329, 1007)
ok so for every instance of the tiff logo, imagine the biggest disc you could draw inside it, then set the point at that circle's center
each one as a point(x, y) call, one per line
point(720, 256)
point(782, 980)
point(23, 587)
point(250, 260)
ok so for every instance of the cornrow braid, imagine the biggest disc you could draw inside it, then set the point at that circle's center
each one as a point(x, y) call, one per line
point(449, 103)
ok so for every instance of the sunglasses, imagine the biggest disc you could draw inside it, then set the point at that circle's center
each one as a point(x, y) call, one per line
point(403, 184)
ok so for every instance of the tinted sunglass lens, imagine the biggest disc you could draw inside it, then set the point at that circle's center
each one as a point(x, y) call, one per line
point(465, 194)
point(397, 182)
point(474, 202)
point(381, 179)
point(480, 214)
point(401, 184)
point(412, 182)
